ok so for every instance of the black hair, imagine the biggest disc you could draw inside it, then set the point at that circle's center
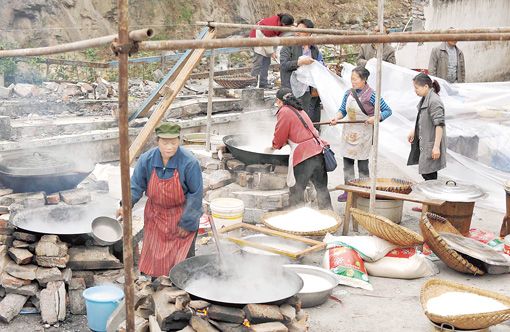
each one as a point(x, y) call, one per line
point(285, 95)
point(362, 72)
point(308, 23)
point(423, 79)
point(286, 19)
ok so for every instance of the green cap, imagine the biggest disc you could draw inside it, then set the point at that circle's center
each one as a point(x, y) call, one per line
point(168, 130)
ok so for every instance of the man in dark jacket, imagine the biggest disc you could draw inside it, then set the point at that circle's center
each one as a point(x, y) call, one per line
point(447, 62)
point(291, 58)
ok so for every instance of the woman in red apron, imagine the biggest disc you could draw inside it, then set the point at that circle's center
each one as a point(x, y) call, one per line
point(171, 178)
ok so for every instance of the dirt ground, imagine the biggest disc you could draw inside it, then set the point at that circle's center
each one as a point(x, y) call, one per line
point(393, 305)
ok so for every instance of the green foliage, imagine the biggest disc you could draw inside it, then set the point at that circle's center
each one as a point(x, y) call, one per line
point(186, 13)
point(7, 65)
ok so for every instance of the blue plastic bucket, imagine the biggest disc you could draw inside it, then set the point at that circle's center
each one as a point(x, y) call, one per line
point(101, 301)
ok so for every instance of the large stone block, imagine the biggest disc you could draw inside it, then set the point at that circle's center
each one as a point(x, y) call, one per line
point(226, 314)
point(75, 196)
point(45, 275)
point(23, 236)
point(44, 261)
point(53, 302)
point(92, 258)
point(269, 327)
point(11, 306)
point(219, 179)
point(27, 200)
point(20, 256)
point(269, 181)
point(263, 313)
point(25, 272)
point(27, 290)
point(50, 246)
point(8, 281)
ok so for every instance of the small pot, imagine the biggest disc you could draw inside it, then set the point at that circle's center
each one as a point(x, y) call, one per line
point(313, 299)
point(106, 231)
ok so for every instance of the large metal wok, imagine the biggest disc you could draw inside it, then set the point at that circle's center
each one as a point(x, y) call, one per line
point(244, 280)
point(39, 171)
point(249, 157)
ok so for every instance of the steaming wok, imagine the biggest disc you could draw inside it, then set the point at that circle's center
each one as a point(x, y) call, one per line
point(40, 171)
point(249, 157)
point(55, 219)
point(201, 276)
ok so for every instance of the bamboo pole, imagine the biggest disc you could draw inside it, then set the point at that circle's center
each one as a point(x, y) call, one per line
point(377, 111)
point(209, 101)
point(136, 35)
point(345, 32)
point(124, 165)
point(319, 40)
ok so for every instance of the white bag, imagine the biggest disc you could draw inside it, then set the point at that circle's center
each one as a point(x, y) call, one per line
point(402, 263)
point(370, 248)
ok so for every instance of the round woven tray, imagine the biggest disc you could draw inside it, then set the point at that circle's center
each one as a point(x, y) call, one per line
point(449, 256)
point(330, 213)
point(238, 81)
point(386, 229)
point(436, 287)
point(385, 184)
point(441, 224)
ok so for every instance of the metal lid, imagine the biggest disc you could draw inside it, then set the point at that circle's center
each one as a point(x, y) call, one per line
point(36, 163)
point(475, 249)
point(449, 191)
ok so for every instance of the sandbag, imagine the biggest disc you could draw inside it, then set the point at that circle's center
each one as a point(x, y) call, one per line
point(370, 248)
point(402, 263)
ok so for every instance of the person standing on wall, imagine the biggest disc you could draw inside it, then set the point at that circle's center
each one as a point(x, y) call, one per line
point(358, 104)
point(428, 139)
point(447, 62)
point(171, 178)
point(306, 159)
point(369, 51)
point(263, 55)
point(291, 58)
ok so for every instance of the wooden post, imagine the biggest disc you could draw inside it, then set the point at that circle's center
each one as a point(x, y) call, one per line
point(174, 88)
point(377, 112)
point(124, 165)
point(210, 93)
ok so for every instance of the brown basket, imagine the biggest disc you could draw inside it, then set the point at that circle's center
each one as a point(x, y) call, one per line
point(436, 287)
point(384, 184)
point(386, 229)
point(330, 213)
point(441, 224)
point(449, 256)
point(238, 81)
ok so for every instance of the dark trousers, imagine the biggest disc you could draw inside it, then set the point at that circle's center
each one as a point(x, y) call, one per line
point(429, 176)
point(312, 107)
point(261, 68)
point(363, 169)
point(312, 169)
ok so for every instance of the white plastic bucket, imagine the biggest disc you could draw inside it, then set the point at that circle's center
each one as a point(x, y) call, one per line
point(226, 211)
point(389, 208)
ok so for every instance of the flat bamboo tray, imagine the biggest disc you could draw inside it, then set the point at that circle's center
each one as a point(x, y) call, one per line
point(322, 232)
point(393, 185)
point(313, 245)
point(436, 287)
point(238, 81)
point(449, 256)
point(386, 229)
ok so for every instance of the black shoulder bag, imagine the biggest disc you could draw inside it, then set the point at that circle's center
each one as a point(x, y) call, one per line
point(329, 155)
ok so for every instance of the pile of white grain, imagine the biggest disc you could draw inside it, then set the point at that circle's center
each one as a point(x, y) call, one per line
point(302, 220)
point(463, 303)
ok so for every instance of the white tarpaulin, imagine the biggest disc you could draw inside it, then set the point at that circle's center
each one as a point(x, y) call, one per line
point(479, 112)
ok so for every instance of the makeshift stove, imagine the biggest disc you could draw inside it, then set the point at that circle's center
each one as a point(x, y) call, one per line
point(162, 305)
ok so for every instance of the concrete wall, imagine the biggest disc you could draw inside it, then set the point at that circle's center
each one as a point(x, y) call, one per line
point(485, 61)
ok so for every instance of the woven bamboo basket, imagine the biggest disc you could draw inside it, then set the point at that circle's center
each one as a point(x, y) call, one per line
point(449, 256)
point(385, 184)
point(238, 81)
point(386, 229)
point(330, 213)
point(441, 224)
point(436, 287)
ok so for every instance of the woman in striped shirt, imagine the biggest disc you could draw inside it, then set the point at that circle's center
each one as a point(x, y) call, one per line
point(358, 104)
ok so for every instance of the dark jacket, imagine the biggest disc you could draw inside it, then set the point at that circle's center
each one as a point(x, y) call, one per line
point(368, 51)
point(438, 63)
point(430, 115)
point(289, 56)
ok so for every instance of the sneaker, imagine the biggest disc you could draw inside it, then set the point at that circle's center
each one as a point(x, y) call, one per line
point(343, 197)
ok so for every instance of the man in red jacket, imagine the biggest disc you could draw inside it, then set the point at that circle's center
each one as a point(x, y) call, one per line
point(263, 55)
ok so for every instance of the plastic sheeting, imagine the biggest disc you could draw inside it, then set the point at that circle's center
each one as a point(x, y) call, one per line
point(477, 123)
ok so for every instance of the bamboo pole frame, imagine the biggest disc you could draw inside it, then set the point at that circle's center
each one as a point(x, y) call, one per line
point(344, 32)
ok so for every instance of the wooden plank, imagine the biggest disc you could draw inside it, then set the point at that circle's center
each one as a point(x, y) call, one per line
point(390, 195)
point(269, 231)
point(347, 216)
point(175, 87)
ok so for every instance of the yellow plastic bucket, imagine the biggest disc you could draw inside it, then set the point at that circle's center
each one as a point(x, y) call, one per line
point(226, 211)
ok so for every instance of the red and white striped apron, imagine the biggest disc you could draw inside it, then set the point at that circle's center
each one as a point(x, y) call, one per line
point(162, 249)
